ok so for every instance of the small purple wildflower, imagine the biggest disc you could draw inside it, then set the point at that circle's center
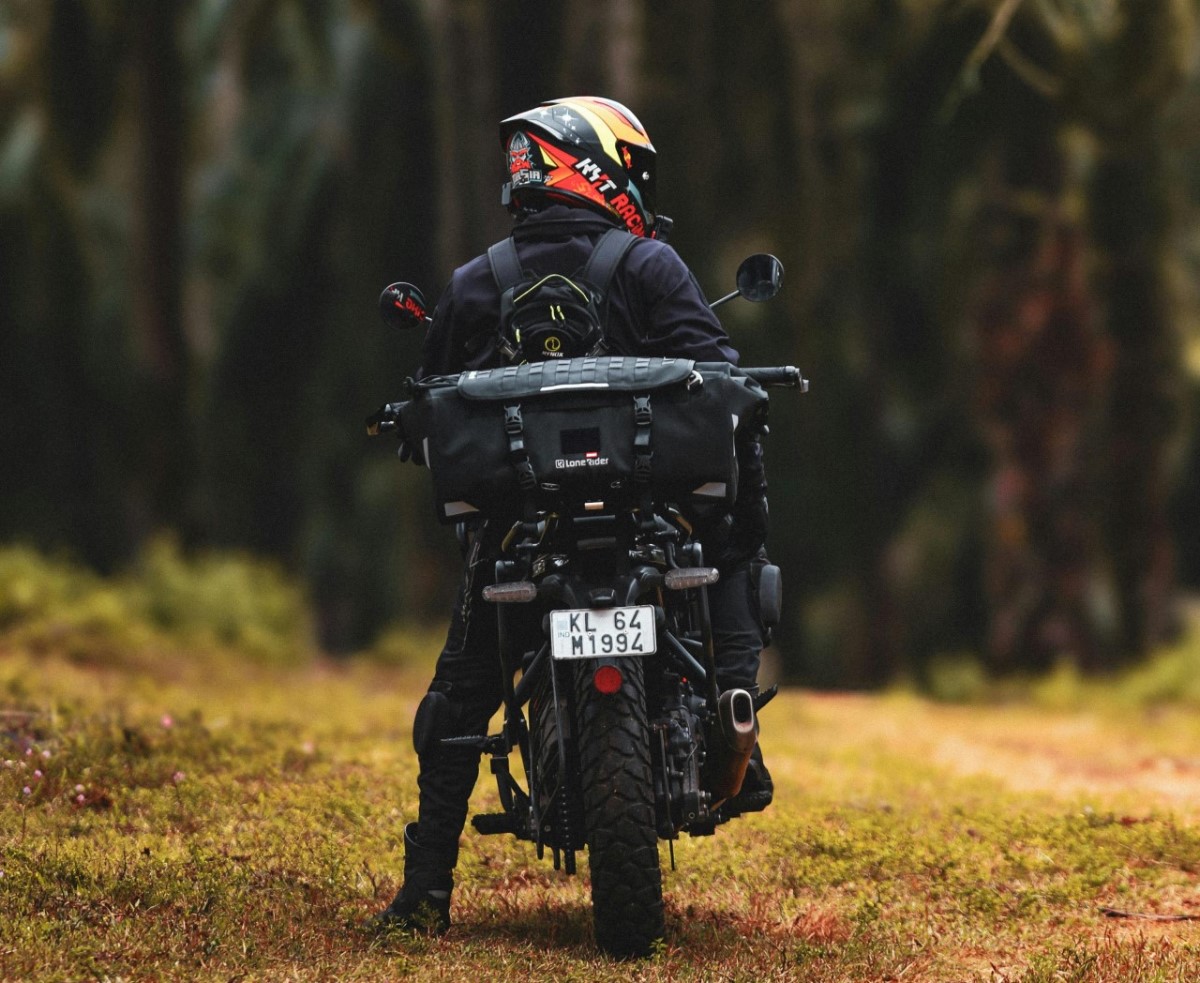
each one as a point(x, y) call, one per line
point(178, 777)
point(37, 773)
point(79, 798)
point(167, 721)
point(46, 755)
point(78, 788)
point(27, 790)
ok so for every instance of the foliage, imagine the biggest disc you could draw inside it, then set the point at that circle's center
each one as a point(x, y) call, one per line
point(1169, 677)
point(244, 607)
point(987, 210)
point(244, 822)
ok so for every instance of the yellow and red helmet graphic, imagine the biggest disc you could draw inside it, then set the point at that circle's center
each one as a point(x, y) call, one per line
point(582, 150)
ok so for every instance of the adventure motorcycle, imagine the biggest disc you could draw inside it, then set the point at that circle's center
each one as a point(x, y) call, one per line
point(610, 688)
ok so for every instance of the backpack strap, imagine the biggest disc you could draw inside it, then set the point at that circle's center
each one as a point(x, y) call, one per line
point(507, 272)
point(599, 270)
point(505, 264)
point(606, 257)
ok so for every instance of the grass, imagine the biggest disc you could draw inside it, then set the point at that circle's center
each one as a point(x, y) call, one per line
point(176, 807)
point(243, 822)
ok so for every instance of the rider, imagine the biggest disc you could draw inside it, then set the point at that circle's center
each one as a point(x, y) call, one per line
point(576, 168)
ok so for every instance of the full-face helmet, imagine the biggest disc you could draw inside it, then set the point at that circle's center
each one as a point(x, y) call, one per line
point(582, 151)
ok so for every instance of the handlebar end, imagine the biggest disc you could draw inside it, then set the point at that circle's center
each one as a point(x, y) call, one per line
point(384, 420)
point(779, 376)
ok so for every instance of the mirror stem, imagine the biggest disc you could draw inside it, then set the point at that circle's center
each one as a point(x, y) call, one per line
point(721, 300)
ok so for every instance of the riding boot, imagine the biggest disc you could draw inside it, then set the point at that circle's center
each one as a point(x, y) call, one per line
point(757, 789)
point(423, 903)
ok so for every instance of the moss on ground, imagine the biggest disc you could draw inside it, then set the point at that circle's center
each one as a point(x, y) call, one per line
point(188, 792)
point(239, 821)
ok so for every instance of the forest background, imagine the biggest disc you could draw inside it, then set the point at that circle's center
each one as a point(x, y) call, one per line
point(989, 213)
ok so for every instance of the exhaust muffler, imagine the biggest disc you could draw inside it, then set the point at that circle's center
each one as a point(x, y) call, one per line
point(731, 743)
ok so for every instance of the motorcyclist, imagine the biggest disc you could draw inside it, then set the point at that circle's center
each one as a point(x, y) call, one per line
point(576, 168)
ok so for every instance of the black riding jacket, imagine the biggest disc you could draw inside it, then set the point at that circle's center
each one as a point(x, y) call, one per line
point(655, 305)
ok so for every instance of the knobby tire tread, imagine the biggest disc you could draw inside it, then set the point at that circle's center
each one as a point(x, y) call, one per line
point(619, 819)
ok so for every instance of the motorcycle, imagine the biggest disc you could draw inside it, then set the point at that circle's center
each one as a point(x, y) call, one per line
point(611, 700)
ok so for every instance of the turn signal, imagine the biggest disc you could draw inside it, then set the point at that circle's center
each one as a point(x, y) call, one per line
point(684, 578)
point(516, 592)
point(607, 680)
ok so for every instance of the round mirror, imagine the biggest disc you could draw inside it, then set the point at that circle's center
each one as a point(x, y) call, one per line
point(401, 305)
point(759, 277)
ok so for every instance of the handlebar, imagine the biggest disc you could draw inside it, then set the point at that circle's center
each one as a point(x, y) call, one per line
point(781, 376)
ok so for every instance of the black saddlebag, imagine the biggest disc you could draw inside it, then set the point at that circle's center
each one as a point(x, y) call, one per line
point(618, 430)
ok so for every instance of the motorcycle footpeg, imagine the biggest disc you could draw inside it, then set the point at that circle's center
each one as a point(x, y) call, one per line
point(705, 827)
point(493, 823)
point(494, 744)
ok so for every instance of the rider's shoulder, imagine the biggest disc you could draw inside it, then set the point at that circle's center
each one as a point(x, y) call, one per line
point(656, 252)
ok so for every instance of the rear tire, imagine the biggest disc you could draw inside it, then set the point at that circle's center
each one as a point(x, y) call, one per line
point(618, 806)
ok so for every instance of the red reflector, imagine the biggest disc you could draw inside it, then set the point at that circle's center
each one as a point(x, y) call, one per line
point(607, 680)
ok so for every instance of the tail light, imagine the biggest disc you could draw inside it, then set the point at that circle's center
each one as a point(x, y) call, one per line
point(607, 680)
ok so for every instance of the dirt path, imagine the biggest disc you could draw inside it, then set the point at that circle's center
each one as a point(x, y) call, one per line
point(1140, 764)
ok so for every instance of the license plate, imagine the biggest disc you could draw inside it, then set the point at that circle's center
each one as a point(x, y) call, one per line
point(595, 634)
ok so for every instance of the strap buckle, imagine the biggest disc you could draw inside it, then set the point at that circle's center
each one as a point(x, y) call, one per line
point(513, 423)
point(642, 414)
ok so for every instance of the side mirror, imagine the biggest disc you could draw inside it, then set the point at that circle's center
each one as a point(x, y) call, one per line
point(401, 305)
point(760, 277)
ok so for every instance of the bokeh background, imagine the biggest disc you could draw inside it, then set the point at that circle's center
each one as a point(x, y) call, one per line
point(989, 213)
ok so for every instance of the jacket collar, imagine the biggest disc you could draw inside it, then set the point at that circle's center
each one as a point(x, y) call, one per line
point(560, 221)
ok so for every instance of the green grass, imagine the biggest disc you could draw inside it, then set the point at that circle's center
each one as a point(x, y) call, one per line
point(188, 792)
point(243, 822)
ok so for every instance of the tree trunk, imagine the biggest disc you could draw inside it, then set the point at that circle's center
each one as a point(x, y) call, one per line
point(1130, 217)
point(158, 117)
point(1042, 372)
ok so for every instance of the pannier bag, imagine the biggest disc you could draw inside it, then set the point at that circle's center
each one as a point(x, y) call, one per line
point(612, 429)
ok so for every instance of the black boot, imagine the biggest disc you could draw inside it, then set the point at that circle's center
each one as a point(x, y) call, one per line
point(423, 903)
point(757, 789)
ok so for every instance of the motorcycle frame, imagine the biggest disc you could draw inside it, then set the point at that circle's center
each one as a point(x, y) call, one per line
point(679, 613)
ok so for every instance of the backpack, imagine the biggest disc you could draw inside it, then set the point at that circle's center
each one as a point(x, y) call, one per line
point(554, 316)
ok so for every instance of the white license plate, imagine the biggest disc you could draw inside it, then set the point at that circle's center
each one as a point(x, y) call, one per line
point(588, 634)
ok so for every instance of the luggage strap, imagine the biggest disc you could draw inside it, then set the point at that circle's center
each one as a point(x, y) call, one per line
point(643, 456)
point(518, 456)
point(643, 417)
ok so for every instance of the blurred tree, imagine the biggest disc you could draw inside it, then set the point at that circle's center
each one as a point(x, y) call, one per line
point(68, 370)
point(977, 202)
point(1090, 394)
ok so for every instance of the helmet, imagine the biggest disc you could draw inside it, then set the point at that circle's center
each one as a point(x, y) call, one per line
point(581, 151)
